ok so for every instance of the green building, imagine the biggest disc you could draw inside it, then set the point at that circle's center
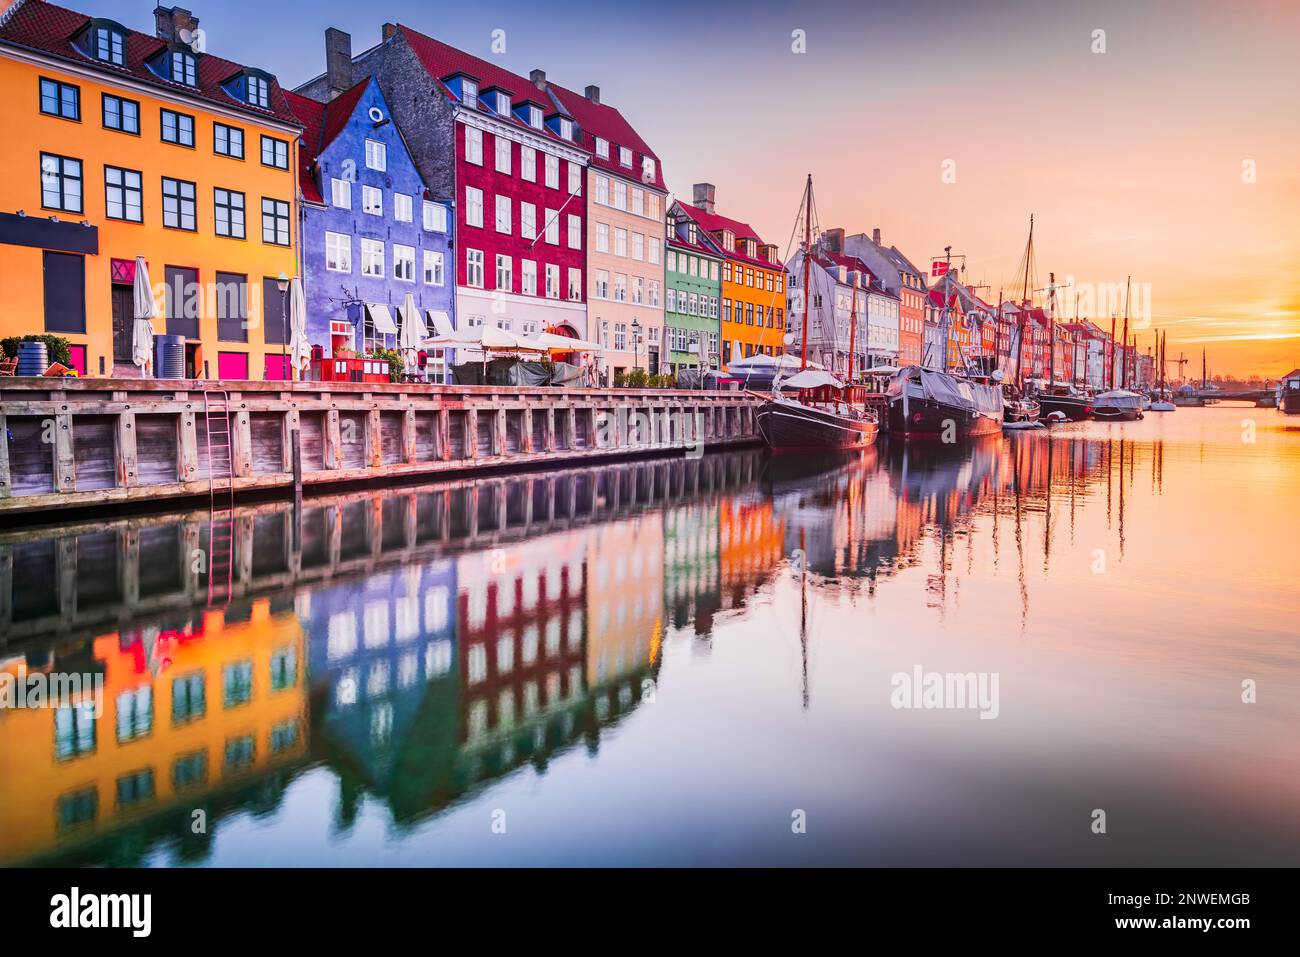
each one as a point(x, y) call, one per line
point(693, 272)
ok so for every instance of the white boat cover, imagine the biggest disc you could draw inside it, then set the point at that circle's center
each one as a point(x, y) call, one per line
point(1118, 399)
point(811, 379)
point(951, 390)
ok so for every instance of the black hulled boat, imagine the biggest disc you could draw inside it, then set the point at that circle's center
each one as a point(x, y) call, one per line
point(929, 404)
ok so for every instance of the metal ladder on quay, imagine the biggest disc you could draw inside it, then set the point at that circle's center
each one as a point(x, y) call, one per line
point(221, 497)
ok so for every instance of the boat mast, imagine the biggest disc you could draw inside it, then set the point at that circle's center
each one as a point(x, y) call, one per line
point(1051, 329)
point(947, 285)
point(1123, 358)
point(853, 322)
point(807, 266)
point(1024, 307)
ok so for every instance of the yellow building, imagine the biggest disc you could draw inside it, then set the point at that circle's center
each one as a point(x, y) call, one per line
point(120, 144)
point(184, 717)
point(753, 280)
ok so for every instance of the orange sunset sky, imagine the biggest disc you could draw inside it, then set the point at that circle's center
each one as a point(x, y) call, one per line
point(1131, 160)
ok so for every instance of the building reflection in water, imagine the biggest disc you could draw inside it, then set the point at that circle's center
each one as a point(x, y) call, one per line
point(421, 643)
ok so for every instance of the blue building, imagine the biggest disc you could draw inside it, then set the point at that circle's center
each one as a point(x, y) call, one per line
point(370, 231)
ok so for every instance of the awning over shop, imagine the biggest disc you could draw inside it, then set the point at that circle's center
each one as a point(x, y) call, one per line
point(381, 318)
point(439, 322)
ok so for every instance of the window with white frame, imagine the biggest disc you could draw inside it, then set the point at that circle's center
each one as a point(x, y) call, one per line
point(602, 190)
point(670, 301)
point(638, 290)
point(575, 179)
point(372, 258)
point(620, 242)
point(473, 206)
point(435, 217)
point(503, 103)
point(434, 268)
point(338, 252)
point(654, 292)
point(552, 281)
point(341, 193)
point(692, 302)
point(528, 277)
point(672, 260)
point(602, 148)
point(566, 128)
point(503, 154)
point(474, 268)
point(535, 116)
point(552, 171)
point(468, 92)
point(503, 214)
point(473, 145)
point(620, 335)
point(575, 231)
point(527, 220)
point(575, 284)
point(625, 157)
point(505, 273)
point(372, 201)
point(652, 251)
point(403, 210)
point(638, 201)
point(647, 169)
point(620, 287)
point(602, 284)
point(376, 155)
point(652, 205)
point(553, 227)
point(528, 163)
point(602, 237)
point(638, 247)
point(620, 194)
point(404, 263)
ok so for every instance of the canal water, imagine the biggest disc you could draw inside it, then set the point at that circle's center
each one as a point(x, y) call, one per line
point(686, 662)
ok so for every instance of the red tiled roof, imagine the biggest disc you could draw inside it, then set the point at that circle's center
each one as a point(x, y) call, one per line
point(311, 114)
point(49, 29)
point(440, 60)
point(599, 119)
point(714, 223)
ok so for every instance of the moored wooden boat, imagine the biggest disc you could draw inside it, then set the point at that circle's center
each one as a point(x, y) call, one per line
point(1118, 405)
point(928, 404)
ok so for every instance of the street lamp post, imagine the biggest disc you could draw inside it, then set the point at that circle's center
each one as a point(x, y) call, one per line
point(283, 282)
point(636, 345)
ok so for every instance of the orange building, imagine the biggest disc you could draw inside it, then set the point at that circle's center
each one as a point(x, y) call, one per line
point(753, 280)
point(185, 715)
point(124, 144)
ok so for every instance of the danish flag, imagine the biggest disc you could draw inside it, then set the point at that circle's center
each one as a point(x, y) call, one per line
point(938, 267)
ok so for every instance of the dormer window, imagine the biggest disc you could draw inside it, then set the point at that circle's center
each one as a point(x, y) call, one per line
point(625, 157)
point(183, 68)
point(602, 148)
point(647, 169)
point(566, 129)
point(729, 240)
point(258, 92)
point(469, 92)
point(535, 117)
point(691, 235)
point(109, 45)
point(503, 103)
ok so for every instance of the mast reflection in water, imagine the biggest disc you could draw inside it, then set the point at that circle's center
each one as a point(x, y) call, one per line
point(660, 662)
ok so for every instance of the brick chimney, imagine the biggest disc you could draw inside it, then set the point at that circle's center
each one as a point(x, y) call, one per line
point(593, 93)
point(170, 21)
point(338, 61)
point(834, 239)
point(875, 235)
point(539, 79)
point(705, 196)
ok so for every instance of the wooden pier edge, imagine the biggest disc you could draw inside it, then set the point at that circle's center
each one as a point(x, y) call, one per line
point(108, 443)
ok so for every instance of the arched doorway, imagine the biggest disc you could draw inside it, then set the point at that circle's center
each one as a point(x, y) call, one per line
point(566, 330)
